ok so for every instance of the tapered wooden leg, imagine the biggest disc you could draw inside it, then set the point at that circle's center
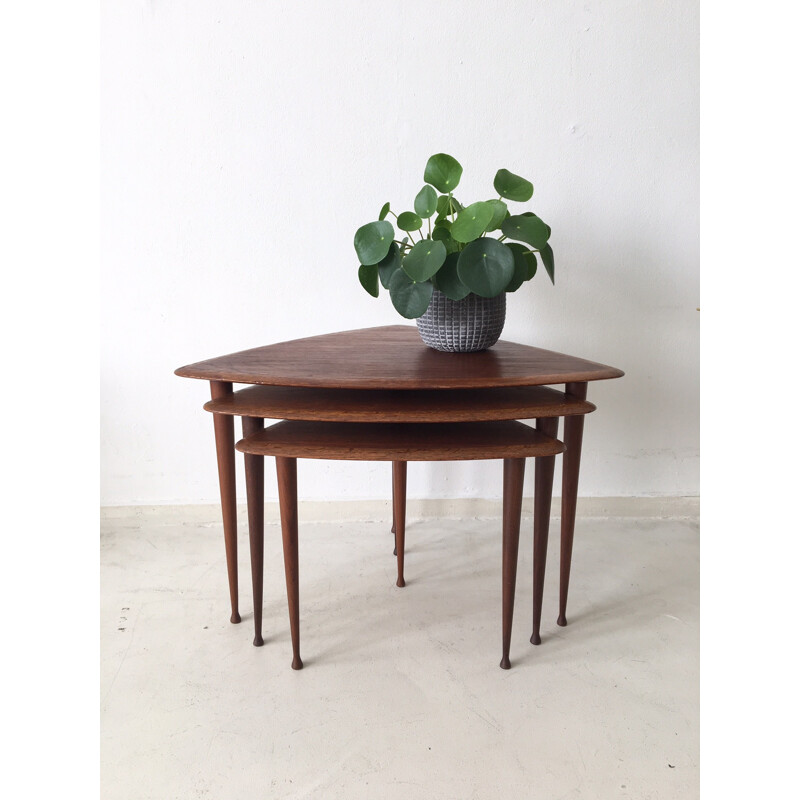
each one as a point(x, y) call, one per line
point(287, 496)
point(513, 473)
point(394, 523)
point(254, 478)
point(399, 472)
point(223, 433)
point(543, 493)
point(573, 439)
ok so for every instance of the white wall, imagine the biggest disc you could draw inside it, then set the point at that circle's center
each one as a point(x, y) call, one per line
point(244, 142)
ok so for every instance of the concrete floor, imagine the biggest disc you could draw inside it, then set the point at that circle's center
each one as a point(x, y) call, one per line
point(401, 695)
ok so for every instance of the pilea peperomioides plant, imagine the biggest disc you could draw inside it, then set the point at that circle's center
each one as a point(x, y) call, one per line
point(456, 254)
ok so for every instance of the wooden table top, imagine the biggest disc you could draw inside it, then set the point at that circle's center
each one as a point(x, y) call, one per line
point(399, 405)
point(368, 441)
point(394, 357)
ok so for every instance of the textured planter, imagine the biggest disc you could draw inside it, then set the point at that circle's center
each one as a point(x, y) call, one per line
point(462, 326)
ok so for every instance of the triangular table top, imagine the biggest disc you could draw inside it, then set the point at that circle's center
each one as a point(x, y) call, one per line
point(394, 357)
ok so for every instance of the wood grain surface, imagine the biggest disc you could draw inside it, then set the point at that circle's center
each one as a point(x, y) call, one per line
point(365, 441)
point(394, 357)
point(402, 405)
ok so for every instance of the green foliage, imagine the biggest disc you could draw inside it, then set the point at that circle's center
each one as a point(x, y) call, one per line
point(524, 266)
point(424, 259)
point(499, 213)
point(447, 280)
point(425, 202)
point(486, 267)
point(410, 298)
point(472, 222)
point(368, 275)
point(441, 233)
point(390, 264)
point(547, 259)
point(452, 252)
point(372, 241)
point(528, 229)
point(443, 172)
point(512, 187)
point(409, 221)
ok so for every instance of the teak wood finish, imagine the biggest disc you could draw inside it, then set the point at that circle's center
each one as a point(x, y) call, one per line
point(375, 441)
point(394, 357)
point(388, 374)
point(399, 475)
point(223, 435)
point(573, 440)
point(287, 496)
point(401, 405)
point(542, 494)
point(399, 443)
point(513, 473)
point(254, 480)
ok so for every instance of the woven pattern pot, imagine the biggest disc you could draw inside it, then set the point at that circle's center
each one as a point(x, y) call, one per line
point(462, 326)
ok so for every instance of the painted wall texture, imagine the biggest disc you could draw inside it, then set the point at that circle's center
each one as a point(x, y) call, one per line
point(243, 144)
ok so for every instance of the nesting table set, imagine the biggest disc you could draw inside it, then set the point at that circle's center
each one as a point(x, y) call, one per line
point(380, 394)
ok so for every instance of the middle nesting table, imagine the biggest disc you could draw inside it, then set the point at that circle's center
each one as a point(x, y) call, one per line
point(396, 443)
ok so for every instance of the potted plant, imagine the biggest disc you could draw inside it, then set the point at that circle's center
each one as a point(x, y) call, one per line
point(448, 272)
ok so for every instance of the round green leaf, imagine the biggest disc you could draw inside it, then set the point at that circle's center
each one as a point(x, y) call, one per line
point(441, 233)
point(512, 187)
point(443, 172)
point(368, 275)
point(409, 221)
point(389, 265)
point(425, 202)
point(372, 241)
point(499, 213)
point(472, 222)
point(410, 299)
point(524, 266)
point(486, 266)
point(424, 259)
point(447, 280)
point(384, 211)
point(443, 205)
point(531, 214)
point(528, 229)
point(546, 253)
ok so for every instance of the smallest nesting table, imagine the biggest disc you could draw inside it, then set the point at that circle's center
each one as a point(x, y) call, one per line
point(399, 443)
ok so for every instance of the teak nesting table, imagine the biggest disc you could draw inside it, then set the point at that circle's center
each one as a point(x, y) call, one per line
point(387, 375)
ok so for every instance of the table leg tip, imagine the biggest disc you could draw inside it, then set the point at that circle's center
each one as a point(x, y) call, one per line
point(536, 639)
point(401, 582)
point(505, 663)
point(258, 641)
point(235, 618)
point(562, 621)
point(297, 663)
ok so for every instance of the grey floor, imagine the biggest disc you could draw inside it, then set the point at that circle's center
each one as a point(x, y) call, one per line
point(401, 695)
